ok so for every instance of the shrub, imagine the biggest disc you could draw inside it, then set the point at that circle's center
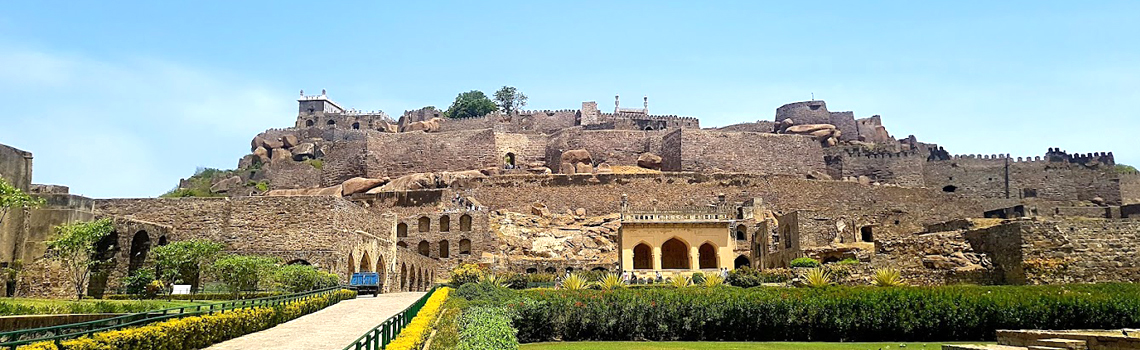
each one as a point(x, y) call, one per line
point(680, 281)
point(712, 281)
point(817, 277)
point(698, 278)
point(487, 328)
point(199, 296)
point(197, 332)
point(887, 277)
point(484, 292)
point(413, 335)
point(848, 261)
point(949, 313)
point(299, 278)
point(316, 163)
point(243, 273)
point(804, 262)
point(494, 279)
point(575, 282)
point(610, 282)
point(748, 277)
point(466, 273)
point(540, 277)
point(136, 284)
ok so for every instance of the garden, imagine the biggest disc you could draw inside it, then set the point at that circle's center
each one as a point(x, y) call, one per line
point(604, 311)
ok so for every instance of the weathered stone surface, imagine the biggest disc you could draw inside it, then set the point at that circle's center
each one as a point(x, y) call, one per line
point(361, 184)
point(567, 168)
point(808, 129)
point(577, 156)
point(262, 154)
point(818, 175)
point(256, 142)
point(539, 170)
point(603, 169)
point(280, 155)
point(289, 141)
point(325, 191)
point(583, 168)
point(540, 210)
point(272, 143)
point(226, 185)
point(649, 161)
point(303, 151)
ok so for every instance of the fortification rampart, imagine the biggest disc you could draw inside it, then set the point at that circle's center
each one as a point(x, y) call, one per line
point(763, 153)
point(815, 112)
point(405, 153)
point(1062, 251)
point(1056, 176)
point(615, 147)
point(1130, 188)
point(902, 168)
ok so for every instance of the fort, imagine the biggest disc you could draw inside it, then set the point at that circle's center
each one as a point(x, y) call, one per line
point(581, 189)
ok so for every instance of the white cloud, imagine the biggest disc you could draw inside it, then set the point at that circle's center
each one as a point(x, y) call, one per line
point(129, 127)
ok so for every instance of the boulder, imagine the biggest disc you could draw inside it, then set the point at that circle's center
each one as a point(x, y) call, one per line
point(389, 127)
point(415, 126)
point(271, 144)
point(289, 141)
point(583, 168)
point(417, 181)
point(247, 161)
point(535, 165)
point(433, 124)
point(491, 171)
point(784, 125)
point(580, 212)
point(262, 154)
point(449, 177)
point(540, 210)
point(808, 128)
point(335, 191)
point(304, 151)
point(603, 169)
point(649, 161)
point(566, 168)
point(864, 180)
point(280, 155)
point(577, 156)
point(1098, 201)
point(256, 142)
point(361, 184)
point(226, 185)
point(818, 175)
point(539, 170)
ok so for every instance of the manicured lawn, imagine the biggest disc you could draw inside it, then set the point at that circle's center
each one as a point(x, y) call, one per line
point(727, 346)
point(32, 306)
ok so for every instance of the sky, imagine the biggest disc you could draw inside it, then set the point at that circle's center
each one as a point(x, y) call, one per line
point(124, 98)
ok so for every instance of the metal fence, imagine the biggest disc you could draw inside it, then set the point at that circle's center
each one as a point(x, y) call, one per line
point(378, 338)
point(13, 339)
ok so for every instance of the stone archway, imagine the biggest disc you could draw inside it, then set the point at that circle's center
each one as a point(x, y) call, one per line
point(105, 250)
point(465, 222)
point(444, 249)
point(742, 261)
point(642, 257)
point(675, 254)
point(741, 232)
point(403, 276)
point(382, 270)
point(140, 245)
point(424, 248)
point(351, 264)
point(707, 256)
point(365, 262)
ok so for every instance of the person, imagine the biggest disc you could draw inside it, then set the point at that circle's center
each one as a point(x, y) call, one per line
point(659, 279)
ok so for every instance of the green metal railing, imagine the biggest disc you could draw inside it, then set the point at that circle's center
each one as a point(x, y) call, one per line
point(13, 339)
point(378, 337)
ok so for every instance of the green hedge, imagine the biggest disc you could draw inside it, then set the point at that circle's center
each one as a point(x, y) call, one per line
point(486, 328)
point(819, 314)
point(200, 296)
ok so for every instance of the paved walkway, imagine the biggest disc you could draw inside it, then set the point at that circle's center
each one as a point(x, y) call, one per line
point(331, 328)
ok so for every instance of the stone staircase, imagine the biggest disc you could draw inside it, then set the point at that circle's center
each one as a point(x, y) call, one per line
point(1059, 340)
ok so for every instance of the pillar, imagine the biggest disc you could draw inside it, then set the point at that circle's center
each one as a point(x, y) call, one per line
point(694, 258)
point(657, 258)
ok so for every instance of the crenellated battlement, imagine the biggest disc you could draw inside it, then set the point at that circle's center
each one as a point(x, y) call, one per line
point(881, 155)
point(1053, 155)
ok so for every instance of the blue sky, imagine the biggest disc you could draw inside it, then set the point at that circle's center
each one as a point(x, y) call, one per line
point(123, 98)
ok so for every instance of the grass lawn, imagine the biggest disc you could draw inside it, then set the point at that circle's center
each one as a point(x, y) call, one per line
point(33, 306)
point(728, 346)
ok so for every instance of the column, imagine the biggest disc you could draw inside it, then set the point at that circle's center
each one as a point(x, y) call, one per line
point(694, 258)
point(657, 258)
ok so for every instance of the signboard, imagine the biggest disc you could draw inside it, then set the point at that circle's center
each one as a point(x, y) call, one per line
point(181, 289)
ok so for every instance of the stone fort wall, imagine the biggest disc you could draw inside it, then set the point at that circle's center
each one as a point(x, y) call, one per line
point(762, 153)
point(1062, 251)
point(1130, 188)
point(614, 147)
point(999, 176)
point(901, 168)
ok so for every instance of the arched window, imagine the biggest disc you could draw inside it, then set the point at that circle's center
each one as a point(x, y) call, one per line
point(402, 230)
point(675, 254)
point(365, 263)
point(140, 245)
point(425, 224)
point(309, 122)
point(642, 257)
point(707, 254)
point(331, 122)
point(741, 232)
point(162, 240)
point(444, 223)
point(742, 261)
point(444, 249)
point(356, 126)
point(465, 246)
point(532, 270)
point(425, 248)
point(403, 276)
point(402, 244)
point(298, 262)
point(509, 160)
point(465, 223)
point(105, 250)
point(551, 270)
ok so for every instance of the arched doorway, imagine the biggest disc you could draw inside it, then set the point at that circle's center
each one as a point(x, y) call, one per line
point(675, 254)
point(465, 246)
point(424, 248)
point(867, 234)
point(403, 276)
point(742, 261)
point(425, 224)
point(298, 262)
point(741, 232)
point(380, 268)
point(444, 223)
point(444, 249)
point(365, 263)
point(412, 278)
point(707, 256)
point(105, 250)
point(509, 160)
point(642, 257)
point(465, 222)
point(140, 245)
point(351, 264)
point(402, 230)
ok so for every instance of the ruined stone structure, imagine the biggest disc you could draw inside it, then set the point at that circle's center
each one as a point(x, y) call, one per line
point(582, 189)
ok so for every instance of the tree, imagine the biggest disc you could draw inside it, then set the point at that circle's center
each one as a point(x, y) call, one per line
point(470, 104)
point(73, 245)
point(300, 278)
point(1125, 169)
point(12, 197)
point(243, 273)
point(178, 261)
point(510, 99)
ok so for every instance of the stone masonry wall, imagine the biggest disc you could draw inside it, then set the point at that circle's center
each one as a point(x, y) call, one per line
point(398, 154)
point(615, 147)
point(447, 237)
point(1130, 188)
point(1063, 251)
point(764, 153)
point(903, 168)
point(986, 176)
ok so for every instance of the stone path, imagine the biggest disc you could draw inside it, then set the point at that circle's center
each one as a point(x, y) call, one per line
point(331, 328)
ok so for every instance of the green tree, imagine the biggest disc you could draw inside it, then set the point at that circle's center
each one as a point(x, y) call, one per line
point(1125, 168)
point(243, 273)
point(12, 197)
point(471, 104)
point(299, 278)
point(510, 99)
point(73, 245)
point(179, 261)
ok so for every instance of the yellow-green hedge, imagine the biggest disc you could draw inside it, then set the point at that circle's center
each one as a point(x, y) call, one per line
point(197, 332)
point(413, 336)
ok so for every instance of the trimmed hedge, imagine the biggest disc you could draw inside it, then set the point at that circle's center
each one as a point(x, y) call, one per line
point(413, 336)
point(200, 296)
point(197, 332)
point(486, 328)
point(820, 314)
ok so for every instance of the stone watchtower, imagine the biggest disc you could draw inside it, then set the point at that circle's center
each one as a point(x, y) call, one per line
point(309, 106)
